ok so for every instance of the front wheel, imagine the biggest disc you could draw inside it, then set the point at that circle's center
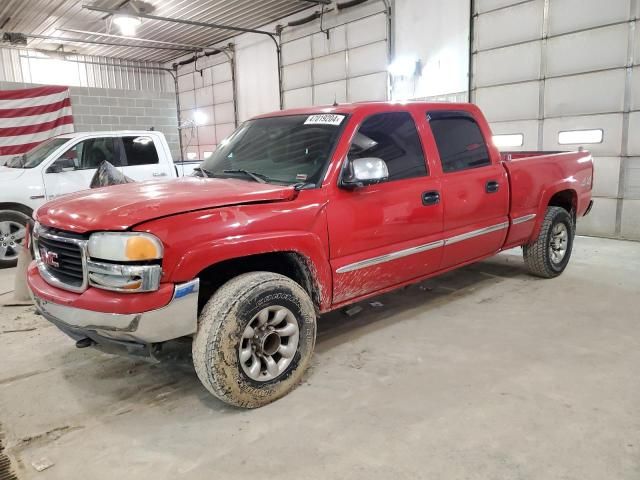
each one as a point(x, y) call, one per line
point(549, 254)
point(255, 339)
point(13, 227)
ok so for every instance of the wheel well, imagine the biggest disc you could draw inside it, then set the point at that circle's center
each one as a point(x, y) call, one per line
point(566, 199)
point(18, 207)
point(290, 264)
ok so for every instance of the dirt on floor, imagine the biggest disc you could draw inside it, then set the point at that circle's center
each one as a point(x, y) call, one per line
point(482, 373)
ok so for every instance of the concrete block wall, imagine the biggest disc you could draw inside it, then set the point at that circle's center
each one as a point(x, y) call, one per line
point(96, 109)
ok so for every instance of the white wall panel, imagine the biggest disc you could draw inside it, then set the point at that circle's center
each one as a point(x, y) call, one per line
point(630, 225)
point(369, 87)
point(606, 176)
point(510, 25)
point(367, 30)
point(368, 59)
point(509, 64)
point(221, 72)
point(584, 51)
point(509, 102)
point(185, 82)
point(207, 135)
point(204, 96)
point(635, 88)
point(601, 221)
point(223, 92)
point(600, 92)
point(636, 52)
point(296, 75)
point(296, 51)
point(224, 130)
point(224, 113)
point(610, 124)
point(207, 77)
point(187, 100)
point(327, 93)
point(633, 146)
point(528, 128)
point(330, 68)
point(486, 5)
point(632, 178)
point(570, 15)
point(302, 97)
point(336, 42)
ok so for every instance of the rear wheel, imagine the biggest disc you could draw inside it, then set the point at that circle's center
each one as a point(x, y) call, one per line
point(255, 339)
point(549, 255)
point(13, 226)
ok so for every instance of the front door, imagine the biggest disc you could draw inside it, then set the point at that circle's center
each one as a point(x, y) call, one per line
point(75, 168)
point(384, 234)
point(475, 191)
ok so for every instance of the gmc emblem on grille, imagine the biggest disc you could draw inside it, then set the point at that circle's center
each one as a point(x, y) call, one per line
point(49, 258)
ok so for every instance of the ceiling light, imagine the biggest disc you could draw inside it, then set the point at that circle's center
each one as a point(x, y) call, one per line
point(128, 23)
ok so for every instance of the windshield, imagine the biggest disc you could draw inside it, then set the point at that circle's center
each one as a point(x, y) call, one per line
point(287, 149)
point(36, 155)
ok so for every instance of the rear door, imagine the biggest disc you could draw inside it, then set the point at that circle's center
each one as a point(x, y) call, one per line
point(141, 159)
point(384, 234)
point(475, 190)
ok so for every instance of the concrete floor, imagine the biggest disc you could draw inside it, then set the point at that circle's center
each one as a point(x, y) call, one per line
point(482, 373)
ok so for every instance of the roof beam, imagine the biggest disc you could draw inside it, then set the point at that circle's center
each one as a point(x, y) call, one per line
point(123, 37)
point(98, 42)
point(185, 22)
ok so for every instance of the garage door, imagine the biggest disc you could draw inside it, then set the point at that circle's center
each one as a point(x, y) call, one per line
point(207, 108)
point(348, 66)
point(561, 74)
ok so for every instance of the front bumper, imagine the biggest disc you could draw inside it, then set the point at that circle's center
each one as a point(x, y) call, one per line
point(178, 318)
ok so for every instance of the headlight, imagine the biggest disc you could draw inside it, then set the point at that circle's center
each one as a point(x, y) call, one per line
point(124, 246)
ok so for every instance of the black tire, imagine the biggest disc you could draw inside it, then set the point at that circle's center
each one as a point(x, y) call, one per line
point(9, 257)
point(538, 255)
point(222, 323)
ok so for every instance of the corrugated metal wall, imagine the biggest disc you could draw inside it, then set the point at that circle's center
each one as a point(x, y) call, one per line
point(28, 66)
point(542, 67)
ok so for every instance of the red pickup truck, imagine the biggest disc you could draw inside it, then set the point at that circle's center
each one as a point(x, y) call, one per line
point(297, 213)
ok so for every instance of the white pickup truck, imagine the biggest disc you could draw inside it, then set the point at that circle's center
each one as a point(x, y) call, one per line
point(66, 164)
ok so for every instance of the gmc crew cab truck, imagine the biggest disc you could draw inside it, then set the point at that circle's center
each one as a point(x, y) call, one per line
point(297, 213)
point(66, 164)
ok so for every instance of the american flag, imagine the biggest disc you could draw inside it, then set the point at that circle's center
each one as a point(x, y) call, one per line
point(31, 115)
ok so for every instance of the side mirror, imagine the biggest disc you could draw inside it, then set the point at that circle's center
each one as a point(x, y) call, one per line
point(365, 171)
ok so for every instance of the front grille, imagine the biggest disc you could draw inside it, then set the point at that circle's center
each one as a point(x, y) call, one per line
point(61, 259)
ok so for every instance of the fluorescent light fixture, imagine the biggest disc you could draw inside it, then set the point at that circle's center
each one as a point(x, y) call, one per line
point(404, 67)
point(192, 155)
point(199, 117)
point(127, 23)
point(508, 140)
point(580, 136)
point(207, 155)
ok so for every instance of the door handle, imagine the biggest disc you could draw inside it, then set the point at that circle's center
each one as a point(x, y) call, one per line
point(492, 186)
point(430, 198)
point(159, 174)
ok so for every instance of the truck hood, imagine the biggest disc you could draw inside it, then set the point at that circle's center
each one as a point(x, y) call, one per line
point(120, 207)
point(8, 174)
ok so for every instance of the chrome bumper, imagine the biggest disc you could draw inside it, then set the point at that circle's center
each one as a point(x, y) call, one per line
point(177, 319)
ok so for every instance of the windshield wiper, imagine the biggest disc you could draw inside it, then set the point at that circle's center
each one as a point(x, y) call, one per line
point(205, 172)
point(258, 177)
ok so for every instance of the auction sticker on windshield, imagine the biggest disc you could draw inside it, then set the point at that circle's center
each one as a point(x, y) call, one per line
point(324, 119)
